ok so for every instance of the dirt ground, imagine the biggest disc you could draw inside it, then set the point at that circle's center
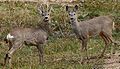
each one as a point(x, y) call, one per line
point(113, 62)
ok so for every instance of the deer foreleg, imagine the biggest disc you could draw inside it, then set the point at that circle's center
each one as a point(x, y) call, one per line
point(84, 50)
point(40, 51)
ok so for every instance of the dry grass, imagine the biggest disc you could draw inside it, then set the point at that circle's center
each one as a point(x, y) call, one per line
point(62, 50)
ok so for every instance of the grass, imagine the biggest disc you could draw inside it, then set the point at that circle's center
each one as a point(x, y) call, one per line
point(62, 51)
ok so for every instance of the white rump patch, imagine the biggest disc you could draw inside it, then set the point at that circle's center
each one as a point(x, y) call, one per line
point(9, 36)
point(45, 37)
point(113, 26)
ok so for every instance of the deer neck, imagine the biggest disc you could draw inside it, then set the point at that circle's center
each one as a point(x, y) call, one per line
point(75, 23)
point(46, 27)
point(43, 25)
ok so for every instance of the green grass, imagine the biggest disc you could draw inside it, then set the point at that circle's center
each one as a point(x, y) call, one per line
point(62, 53)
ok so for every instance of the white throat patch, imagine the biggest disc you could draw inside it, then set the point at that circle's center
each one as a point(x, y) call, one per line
point(9, 36)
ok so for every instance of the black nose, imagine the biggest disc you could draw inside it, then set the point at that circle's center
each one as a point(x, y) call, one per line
point(46, 17)
point(71, 18)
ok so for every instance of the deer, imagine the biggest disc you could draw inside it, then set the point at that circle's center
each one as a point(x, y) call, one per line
point(28, 36)
point(101, 26)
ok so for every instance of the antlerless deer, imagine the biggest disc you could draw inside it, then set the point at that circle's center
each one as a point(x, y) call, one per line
point(102, 26)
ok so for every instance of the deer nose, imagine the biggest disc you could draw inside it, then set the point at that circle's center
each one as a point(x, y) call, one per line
point(71, 18)
point(46, 17)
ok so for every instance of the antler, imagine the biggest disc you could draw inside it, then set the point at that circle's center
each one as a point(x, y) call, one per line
point(40, 8)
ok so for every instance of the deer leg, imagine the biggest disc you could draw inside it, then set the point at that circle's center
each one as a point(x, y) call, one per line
point(8, 56)
point(108, 33)
point(40, 51)
point(113, 43)
point(106, 44)
point(110, 39)
point(84, 50)
point(10, 46)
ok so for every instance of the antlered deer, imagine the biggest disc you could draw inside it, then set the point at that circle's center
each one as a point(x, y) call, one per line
point(35, 36)
point(102, 26)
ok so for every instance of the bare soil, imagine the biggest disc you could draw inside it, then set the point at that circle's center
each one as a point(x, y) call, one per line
point(113, 62)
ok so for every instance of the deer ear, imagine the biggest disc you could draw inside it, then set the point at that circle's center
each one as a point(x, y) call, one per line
point(75, 8)
point(67, 8)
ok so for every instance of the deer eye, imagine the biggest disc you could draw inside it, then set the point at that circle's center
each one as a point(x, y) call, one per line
point(48, 14)
point(74, 14)
point(43, 14)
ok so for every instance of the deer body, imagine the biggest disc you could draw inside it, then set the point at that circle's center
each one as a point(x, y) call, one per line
point(102, 26)
point(92, 27)
point(29, 36)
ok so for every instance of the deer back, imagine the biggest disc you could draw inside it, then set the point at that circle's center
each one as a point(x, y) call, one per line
point(96, 25)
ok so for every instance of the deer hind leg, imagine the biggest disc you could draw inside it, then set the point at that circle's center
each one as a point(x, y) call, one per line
point(114, 44)
point(40, 52)
point(108, 34)
point(10, 46)
point(16, 45)
point(110, 38)
point(106, 44)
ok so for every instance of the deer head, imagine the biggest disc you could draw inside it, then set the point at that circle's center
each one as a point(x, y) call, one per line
point(45, 13)
point(72, 13)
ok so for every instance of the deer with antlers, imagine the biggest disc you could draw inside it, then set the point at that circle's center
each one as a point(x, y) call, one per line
point(29, 36)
